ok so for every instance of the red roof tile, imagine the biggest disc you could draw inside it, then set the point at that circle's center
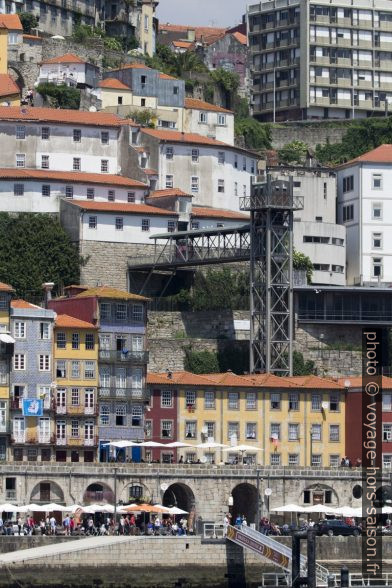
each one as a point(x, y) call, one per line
point(129, 122)
point(381, 154)
point(182, 44)
point(126, 208)
point(66, 58)
point(356, 382)
point(55, 115)
point(182, 378)
point(113, 84)
point(164, 76)
point(23, 304)
point(8, 87)
point(316, 382)
point(177, 137)
point(76, 177)
point(150, 172)
point(169, 192)
point(32, 38)
point(230, 379)
point(204, 212)
point(130, 66)
point(240, 38)
point(11, 22)
point(270, 381)
point(65, 321)
point(5, 287)
point(206, 34)
point(193, 103)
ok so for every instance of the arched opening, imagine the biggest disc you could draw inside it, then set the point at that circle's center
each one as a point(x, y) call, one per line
point(181, 496)
point(45, 492)
point(244, 502)
point(383, 496)
point(16, 75)
point(98, 493)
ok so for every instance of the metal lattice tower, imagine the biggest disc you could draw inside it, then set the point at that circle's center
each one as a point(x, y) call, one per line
point(271, 205)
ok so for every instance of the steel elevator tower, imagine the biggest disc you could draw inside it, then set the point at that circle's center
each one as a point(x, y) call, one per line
point(271, 204)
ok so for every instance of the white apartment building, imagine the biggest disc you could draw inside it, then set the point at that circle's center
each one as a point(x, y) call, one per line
point(365, 208)
point(316, 233)
point(208, 120)
point(214, 173)
point(68, 69)
point(320, 59)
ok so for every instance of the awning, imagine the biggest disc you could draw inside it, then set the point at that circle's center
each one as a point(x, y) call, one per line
point(4, 338)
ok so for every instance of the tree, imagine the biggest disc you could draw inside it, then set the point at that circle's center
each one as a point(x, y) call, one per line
point(227, 80)
point(34, 249)
point(303, 262)
point(143, 117)
point(200, 362)
point(256, 135)
point(300, 366)
point(293, 152)
point(62, 96)
point(29, 22)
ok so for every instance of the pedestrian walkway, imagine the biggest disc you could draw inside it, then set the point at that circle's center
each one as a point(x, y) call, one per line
point(63, 548)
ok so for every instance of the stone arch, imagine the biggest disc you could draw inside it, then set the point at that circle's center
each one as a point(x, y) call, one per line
point(318, 494)
point(182, 496)
point(244, 502)
point(383, 496)
point(46, 491)
point(17, 76)
point(140, 492)
point(98, 492)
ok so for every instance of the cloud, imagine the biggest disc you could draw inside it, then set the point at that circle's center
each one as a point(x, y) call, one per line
point(213, 13)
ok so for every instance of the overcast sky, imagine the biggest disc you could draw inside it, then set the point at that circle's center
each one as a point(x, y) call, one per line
point(208, 13)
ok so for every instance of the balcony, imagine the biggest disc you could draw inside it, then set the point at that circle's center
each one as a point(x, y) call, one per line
point(61, 409)
point(79, 410)
point(19, 437)
point(124, 393)
point(61, 440)
point(81, 442)
point(123, 357)
point(42, 438)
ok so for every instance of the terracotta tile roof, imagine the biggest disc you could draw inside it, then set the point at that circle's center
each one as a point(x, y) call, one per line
point(381, 154)
point(66, 58)
point(5, 287)
point(75, 177)
point(230, 379)
point(8, 86)
point(130, 66)
point(193, 103)
point(123, 207)
point(164, 76)
point(184, 378)
point(128, 122)
point(240, 38)
point(177, 137)
point(316, 382)
point(23, 304)
point(205, 34)
point(150, 172)
point(55, 115)
point(11, 22)
point(33, 38)
point(356, 382)
point(182, 44)
point(108, 292)
point(169, 192)
point(113, 84)
point(65, 321)
point(270, 381)
point(204, 212)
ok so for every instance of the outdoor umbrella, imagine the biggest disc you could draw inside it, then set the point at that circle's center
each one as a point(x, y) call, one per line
point(151, 444)
point(122, 444)
point(289, 508)
point(7, 507)
point(35, 508)
point(73, 508)
point(347, 511)
point(209, 445)
point(386, 509)
point(177, 444)
point(316, 508)
point(52, 507)
point(145, 508)
point(177, 511)
point(243, 448)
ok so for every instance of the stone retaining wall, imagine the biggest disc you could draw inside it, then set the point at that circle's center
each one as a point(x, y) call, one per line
point(311, 134)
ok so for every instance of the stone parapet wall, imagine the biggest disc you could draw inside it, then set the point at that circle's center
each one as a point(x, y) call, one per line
point(200, 325)
point(311, 134)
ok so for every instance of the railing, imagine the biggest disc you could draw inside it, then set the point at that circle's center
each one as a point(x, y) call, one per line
point(124, 393)
point(80, 410)
point(61, 409)
point(61, 441)
point(213, 531)
point(19, 437)
point(10, 494)
point(278, 194)
point(81, 441)
point(44, 438)
point(124, 356)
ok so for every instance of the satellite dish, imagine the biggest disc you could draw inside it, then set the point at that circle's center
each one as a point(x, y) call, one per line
point(203, 459)
point(164, 487)
point(268, 491)
point(92, 109)
point(347, 383)
point(324, 405)
point(275, 436)
point(60, 37)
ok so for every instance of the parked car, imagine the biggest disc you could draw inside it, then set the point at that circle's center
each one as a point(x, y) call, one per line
point(337, 527)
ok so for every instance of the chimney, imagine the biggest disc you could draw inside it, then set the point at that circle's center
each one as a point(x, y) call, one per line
point(47, 288)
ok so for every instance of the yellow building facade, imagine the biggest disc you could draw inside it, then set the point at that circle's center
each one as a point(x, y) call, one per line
point(76, 378)
point(6, 349)
point(9, 91)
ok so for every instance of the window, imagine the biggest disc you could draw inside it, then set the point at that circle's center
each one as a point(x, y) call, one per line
point(137, 312)
point(386, 402)
point(376, 240)
point(293, 459)
point(387, 432)
point(69, 192)
point(44, 363)
point(334, 402)
point(76, 164)
point(75, 397)
point(169, 152)
point(74, 428)
point(195, 225)
point(121, 311)
point(20, 132)
point(104, 166)
point(190, 429)
point(348, 184)
point(377, 211)
point(316, 402)
point(250, 400)
point(194, 184)
point(235, 188)
point(137, 343)
point(61, 370)
point(252, 166)
point(221, 120)
point(92, 222)
point(20, 160)
point(45, 161)
point(142, 102)
point(148, 429)
point(89, 341)
point(250, 430)
point(75, 369)
point(195, 156)
point(105, 137)
point(45, 190)
point(167, 429)
point(377, 181)
point(334, 461)
point(293, 401)
point(104, 412)
point(334, 432)
point(121, 415)
point(221, 186)
point(275, 431)
point(348, 213)
point(18, 189)
point(169, 181)
point(244, 164)
point(190, 398)
point(44, 331)
point(275, 401)
point(175, 90)
point(77, 135)
point(203, 117)
point(221, 157)
point(209, 399)
point(143, 80)
point(377, 267)
point(316, 432)
point(19, 329)
point(244, 190)
point(210, 428)
point(236, 161)
point(171, 226)
point(233, 402)
point(89, 370)
point(166, 398)
point(145, 224)
point(316, 461)
point(233, 430)
point(293, 432)
point(90, 193)
point(275, 459)
point(119, 223)
point(19, 361)
point(131, 196)
point(45, 133)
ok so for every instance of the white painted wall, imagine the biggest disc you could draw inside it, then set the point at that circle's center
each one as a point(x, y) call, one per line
point(53, 72)
point(209, 223)
point(211, 128)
